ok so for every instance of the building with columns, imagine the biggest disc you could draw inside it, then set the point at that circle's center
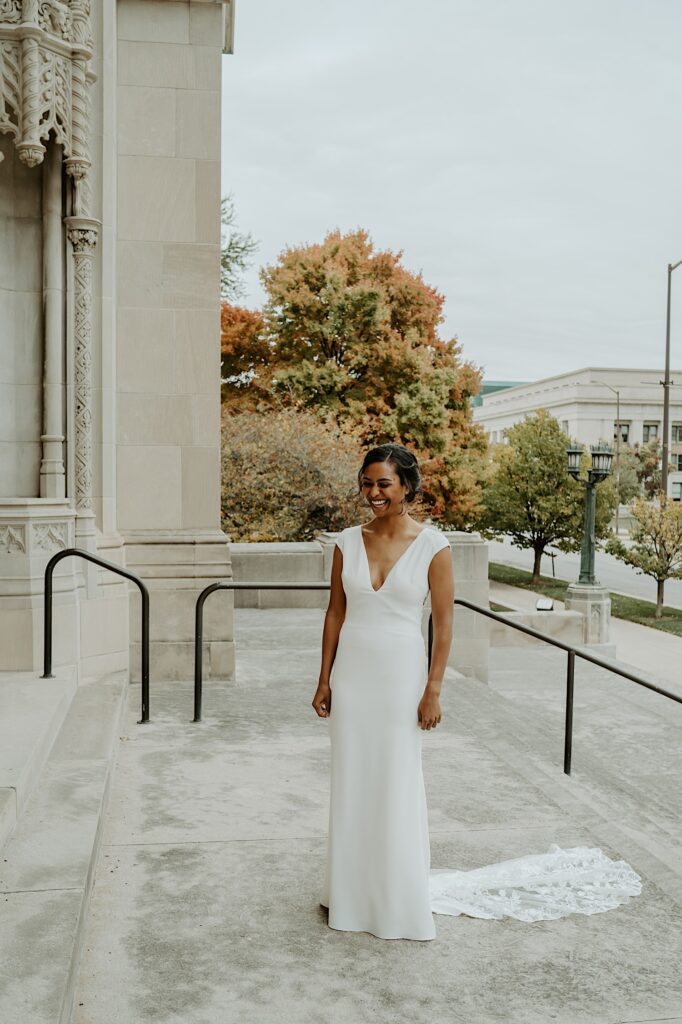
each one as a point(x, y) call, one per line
point(110, 327)
point(589, 404)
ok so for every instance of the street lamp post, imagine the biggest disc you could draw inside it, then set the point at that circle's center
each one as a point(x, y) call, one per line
point(616, 392)
point(602, 454)
point(666, 388)
point(587, 595)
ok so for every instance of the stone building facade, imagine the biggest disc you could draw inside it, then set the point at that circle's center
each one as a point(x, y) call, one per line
point(594, 404)
point(109, 327)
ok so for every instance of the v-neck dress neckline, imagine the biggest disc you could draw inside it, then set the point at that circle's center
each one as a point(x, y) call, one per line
point(398, 559)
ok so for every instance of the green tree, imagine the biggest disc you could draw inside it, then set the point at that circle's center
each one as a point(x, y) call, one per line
point(649, 468)
point(656, 548)
point(236, 251)
point(639, 471)
point(629, 484)
point(530, 496)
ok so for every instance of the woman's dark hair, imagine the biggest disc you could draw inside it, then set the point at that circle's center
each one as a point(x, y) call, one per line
point(404, 463)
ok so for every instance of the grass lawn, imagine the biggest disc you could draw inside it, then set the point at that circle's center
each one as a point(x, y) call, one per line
point(631, 608)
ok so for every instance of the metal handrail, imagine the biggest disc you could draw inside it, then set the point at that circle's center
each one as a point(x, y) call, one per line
point(47, 632)
point(572, 652)
point(199, 623)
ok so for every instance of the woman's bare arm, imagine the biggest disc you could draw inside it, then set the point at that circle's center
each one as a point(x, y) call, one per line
point(442, 587)
point(333, 620)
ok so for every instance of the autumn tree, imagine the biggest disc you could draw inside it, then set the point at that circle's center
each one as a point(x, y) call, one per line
point(287, 476)
point(246, 373)
point(656, 548)
point(530, 496)
point(354, 335)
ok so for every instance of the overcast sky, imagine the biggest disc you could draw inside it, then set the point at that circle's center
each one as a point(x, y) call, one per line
point(526, 156)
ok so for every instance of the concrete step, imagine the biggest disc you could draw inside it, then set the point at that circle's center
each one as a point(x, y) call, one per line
point(47, 866)
point(32, 711)
point(625, 739)
point(623, 811)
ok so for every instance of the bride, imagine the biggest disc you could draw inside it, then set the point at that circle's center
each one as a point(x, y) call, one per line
point(380, 696)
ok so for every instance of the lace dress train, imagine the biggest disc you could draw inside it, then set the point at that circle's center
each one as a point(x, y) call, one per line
point(537, 887)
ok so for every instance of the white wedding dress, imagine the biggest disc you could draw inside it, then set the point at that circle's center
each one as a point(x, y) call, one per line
point(378, 875)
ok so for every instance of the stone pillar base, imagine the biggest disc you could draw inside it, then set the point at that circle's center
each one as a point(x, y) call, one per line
point(31, 531)
point(176, 566)
point(594, 603)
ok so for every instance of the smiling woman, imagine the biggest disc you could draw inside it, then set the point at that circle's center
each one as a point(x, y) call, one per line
point(380, 695)
point(375, 675)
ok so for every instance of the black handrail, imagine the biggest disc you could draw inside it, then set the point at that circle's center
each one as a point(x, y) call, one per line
point(572, 652)
point(199, 623)
point(47, 633)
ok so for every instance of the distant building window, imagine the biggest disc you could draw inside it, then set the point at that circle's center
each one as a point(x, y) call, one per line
point(677, 492)
point(624, 432)
point(676, 461)
point(677, 433)
point(650, 432)
point(564, 426)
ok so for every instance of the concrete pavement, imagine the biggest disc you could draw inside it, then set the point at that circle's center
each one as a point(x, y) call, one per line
point(204, 909)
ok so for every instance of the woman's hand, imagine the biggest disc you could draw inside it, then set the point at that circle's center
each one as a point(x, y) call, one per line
point(428, 712)
point(322, 701)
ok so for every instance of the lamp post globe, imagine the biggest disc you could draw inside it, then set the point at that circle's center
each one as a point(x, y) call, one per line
point(602, 457)
point(574, 455)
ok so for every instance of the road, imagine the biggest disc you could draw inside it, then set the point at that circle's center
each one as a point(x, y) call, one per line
point(610, 572)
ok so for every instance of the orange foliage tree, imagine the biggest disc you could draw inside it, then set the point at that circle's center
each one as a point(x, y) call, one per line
point(351, 332)
point(245, 358)
point(350, 336)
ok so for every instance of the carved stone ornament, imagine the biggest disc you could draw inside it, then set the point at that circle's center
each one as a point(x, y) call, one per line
point(13, 538)
point(49, 537)
point(45, 47)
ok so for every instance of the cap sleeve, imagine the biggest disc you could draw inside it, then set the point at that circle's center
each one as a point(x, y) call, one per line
point(340, 539)
point(438, 540)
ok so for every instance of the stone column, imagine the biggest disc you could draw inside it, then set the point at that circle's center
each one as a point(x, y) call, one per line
point(471, 631)
point(52, 481)
point(30, 148)
point(168, 325)
point(82, 232)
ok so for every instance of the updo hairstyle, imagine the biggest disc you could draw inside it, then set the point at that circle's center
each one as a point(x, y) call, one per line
point(403, 462)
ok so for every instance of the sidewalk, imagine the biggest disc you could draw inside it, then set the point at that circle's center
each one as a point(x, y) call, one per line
point(205, 906)
point(650, 650)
